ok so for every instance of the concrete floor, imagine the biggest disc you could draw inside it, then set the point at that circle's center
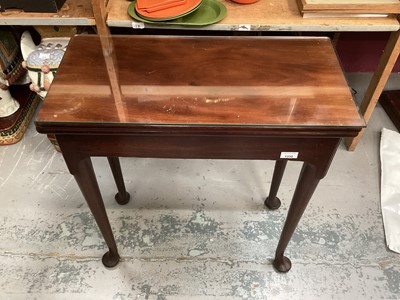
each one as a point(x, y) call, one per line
point(194, 229)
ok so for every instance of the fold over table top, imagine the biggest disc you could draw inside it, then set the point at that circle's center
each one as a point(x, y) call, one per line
point(169, 82)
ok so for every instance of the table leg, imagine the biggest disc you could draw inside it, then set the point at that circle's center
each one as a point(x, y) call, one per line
point(82, 169)
point(273, 202)
point(305, 188)
point(122, 197)
point(378, 81)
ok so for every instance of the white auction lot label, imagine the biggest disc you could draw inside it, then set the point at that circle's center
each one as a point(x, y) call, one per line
point(137, 25)
point(289, 154)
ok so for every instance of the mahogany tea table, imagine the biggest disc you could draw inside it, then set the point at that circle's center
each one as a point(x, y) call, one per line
point(200, 98)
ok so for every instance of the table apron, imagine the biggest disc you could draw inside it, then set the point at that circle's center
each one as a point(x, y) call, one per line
point(316, 151)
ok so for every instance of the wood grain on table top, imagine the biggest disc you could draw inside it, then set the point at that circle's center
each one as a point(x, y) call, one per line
point(260, 81)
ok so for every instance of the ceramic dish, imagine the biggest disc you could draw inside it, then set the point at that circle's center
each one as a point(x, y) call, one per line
point(170, 18)
point(209, 12)
point(245, 1)
point(170, 12)
point(162, 6)
point(143, 4)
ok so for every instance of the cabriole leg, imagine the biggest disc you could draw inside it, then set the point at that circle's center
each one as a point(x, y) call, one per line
point(82, 169)
point(272, 201)
point(122, 197)
point(305, 188)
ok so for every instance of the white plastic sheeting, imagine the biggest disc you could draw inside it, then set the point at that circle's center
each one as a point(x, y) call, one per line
point(390, 187)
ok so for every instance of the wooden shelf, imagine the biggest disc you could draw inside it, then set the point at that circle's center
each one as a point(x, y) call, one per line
point(73, 13)
point(265, 15)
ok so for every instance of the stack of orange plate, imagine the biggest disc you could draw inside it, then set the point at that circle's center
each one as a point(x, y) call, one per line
point(245, 1)
point(163, 10)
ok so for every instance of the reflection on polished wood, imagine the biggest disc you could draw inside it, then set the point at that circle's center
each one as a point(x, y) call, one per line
point(201, 98)
point(100, 13)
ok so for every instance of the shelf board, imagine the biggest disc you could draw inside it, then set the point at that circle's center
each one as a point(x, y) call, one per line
point(73, 13)
point(265, 15)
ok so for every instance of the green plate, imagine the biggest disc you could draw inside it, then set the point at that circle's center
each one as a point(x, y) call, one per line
point(168, 18)
point(209, 12)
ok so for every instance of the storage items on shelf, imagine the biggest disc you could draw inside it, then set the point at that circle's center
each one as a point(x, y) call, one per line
point(177, 12)
point(348, 8)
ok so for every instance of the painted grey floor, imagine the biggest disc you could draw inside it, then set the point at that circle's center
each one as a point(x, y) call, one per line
point(195, 229)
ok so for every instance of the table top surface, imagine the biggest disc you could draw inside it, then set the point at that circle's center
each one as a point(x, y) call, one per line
point(201, 82)
point(265, 15)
